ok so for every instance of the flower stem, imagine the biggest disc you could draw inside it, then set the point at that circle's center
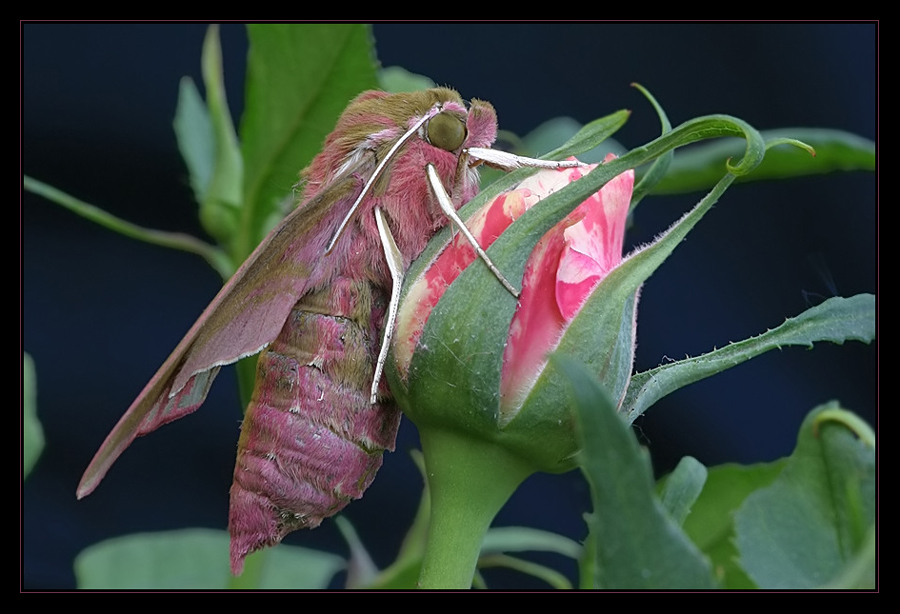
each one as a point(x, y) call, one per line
point(470, 480)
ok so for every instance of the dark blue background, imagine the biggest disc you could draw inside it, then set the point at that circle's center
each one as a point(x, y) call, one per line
point(101, 312)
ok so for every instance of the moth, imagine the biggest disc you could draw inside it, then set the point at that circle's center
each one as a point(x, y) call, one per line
point(318, 298)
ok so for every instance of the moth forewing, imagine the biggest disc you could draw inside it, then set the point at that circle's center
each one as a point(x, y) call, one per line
point(246, 315)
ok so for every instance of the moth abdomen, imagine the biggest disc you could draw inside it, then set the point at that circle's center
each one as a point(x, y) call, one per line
point(311, 440)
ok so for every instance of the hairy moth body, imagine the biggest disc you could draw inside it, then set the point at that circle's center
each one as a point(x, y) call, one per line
point(311, 440)
point(313, 298)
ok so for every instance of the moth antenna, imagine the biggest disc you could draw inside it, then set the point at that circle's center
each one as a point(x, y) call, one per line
point(395, 265)
point(377, 173)
point(510, 162)
point(447, 206)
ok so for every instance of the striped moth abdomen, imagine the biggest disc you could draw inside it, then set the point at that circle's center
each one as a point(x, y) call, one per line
point(311, 440)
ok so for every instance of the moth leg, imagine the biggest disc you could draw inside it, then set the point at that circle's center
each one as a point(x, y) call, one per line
point(510, 162)
point(395, 265)
point(447, 206)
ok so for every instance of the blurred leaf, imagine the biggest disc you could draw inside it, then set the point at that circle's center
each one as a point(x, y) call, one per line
point(807, 527)
point(300, 77)
point(395, 80)
point(524, 539)
point(699, 167)
point(219, 209)
point(554, 132)
point(682, 487)
point(535, 570)
point(193, 131)
point(836, 320)
point(209, 145)
point(710, 524)
point(361, 569)
point(636, 544)
point(500, 540)
point(194, 559)
point(32, 433)
point(592, 137)
point(861, 571)
point(556, 139)
point(404, 572)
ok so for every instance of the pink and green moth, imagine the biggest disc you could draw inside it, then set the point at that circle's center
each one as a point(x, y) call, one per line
point(318, 298)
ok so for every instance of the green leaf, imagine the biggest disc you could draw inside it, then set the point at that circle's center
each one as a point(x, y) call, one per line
point(32, 433)
point(807, 528)
point(636, 544)
point(682, 488)
point(710, 525)
point(699, 167)
point(836, 320)
point(194, 559)
point(300, 77)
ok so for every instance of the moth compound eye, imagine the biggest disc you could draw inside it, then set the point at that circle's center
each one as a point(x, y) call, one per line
point(446, 131)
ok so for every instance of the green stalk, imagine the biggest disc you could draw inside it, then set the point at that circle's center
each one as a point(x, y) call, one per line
point(470, 480)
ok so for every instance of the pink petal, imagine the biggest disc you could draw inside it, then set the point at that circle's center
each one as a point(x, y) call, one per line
point(567, 265)
point(578, 274)
point(593, 243)
point(536, 324)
